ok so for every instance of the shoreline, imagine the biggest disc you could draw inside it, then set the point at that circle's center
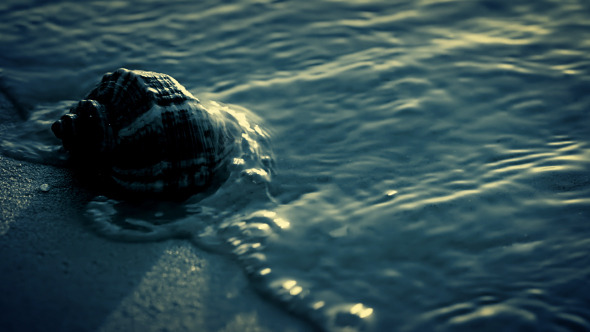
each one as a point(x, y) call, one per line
point(57, 275)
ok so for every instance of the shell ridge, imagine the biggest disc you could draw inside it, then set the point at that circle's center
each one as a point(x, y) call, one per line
point(123, 81)
point(123, 95)
point(156, 169)
point(148, 118)
point(167, 176)
point(132, 100)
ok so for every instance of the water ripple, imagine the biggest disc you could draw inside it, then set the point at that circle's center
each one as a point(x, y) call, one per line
point(433, 156)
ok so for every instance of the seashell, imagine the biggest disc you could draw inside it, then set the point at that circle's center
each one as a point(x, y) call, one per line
point(148, 134)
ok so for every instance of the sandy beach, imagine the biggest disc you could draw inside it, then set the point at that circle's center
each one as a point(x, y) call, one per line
point(57, 275)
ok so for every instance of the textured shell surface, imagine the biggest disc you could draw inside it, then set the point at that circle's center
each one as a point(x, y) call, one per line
point(149, 134)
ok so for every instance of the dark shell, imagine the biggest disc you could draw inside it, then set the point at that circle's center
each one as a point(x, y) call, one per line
point(148, 133)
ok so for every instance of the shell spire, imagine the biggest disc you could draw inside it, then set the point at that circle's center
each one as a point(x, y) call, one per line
point(85, 131)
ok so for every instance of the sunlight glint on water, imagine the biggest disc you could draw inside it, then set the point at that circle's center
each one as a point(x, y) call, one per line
point(432, 156)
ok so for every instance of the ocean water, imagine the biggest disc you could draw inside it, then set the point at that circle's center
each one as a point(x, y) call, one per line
point(432, 158)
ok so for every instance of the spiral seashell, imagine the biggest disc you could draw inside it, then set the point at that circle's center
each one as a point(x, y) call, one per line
point(147, 133)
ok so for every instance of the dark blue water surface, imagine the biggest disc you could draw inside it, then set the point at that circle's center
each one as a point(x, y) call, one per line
point(432, 157)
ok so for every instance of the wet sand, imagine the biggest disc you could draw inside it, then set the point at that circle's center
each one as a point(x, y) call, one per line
point(57, 275)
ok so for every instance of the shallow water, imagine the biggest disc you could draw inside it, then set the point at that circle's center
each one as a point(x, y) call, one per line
point(432, 157)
